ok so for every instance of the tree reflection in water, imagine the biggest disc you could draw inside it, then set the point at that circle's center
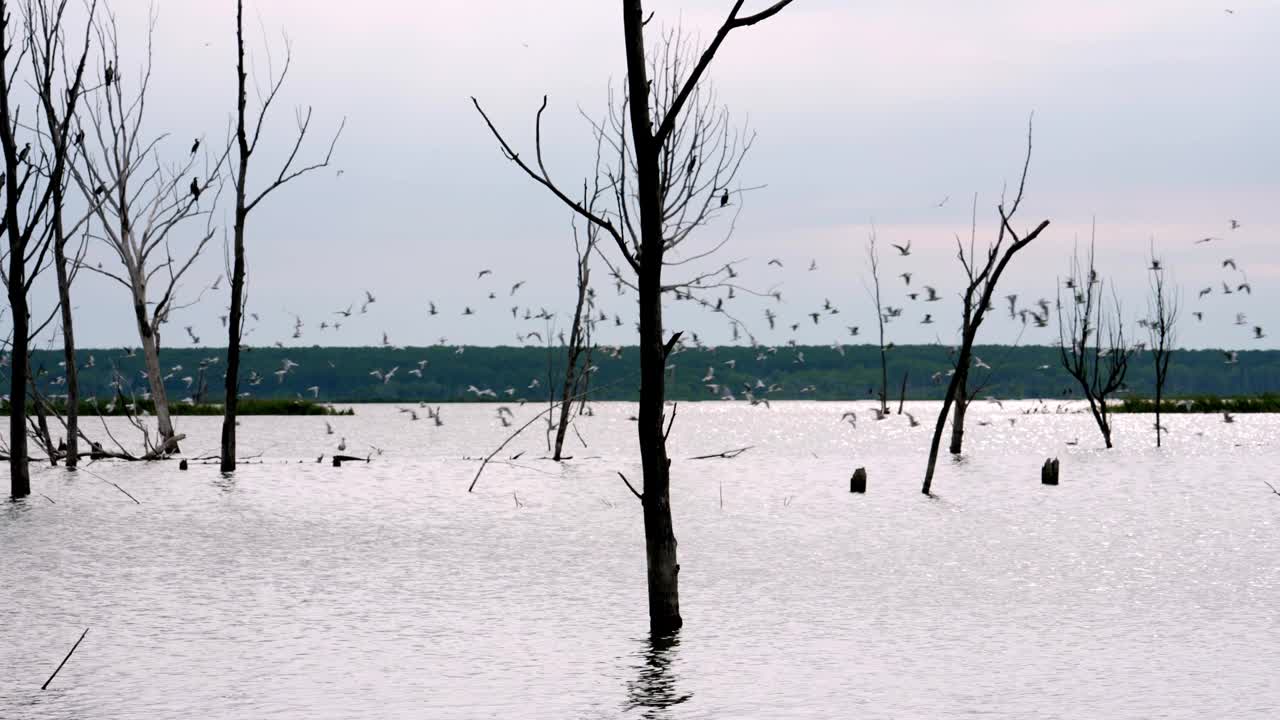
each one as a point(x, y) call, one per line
point(654, 688)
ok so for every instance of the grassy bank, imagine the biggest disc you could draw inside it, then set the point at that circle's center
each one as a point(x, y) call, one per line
point(1268, 403)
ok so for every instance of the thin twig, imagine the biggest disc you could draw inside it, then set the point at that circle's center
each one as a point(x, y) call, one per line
point(126, 492)
point(629, 487)
point(727, 454)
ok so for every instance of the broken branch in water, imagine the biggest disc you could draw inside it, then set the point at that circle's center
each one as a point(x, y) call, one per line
point(670, 422)
point(532, 420)
point(629, 487)
point(126, 492)
point(65, 659)
point(726, 455)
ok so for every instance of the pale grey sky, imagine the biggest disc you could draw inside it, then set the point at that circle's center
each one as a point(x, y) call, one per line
point(1159, 117)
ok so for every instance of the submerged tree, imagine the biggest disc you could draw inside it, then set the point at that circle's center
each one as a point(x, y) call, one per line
point(966, 390)
point(676, 157)
point(248, 131)
point(1099, 369)
point(59, 95)
point(577, 363)
point(873, 258)
point(1162, 305)
point(29, 185)
point(980, 289)
point(140, 204)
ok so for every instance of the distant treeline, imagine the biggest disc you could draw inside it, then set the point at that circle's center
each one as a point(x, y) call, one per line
point(355, 374)
point(112, 407)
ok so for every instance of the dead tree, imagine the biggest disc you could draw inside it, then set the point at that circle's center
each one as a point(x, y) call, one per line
point(29, 185)
point(978, 292)
point(1099, 369)
point(248, 132)
point(675, 160)
point(43, 24)
point(964, 367)
point(141, 206)
point(575, 372)
point(873, 258)
point(1162, 306)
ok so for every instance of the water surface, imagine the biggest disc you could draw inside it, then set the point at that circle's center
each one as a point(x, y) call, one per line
point(1145, 585)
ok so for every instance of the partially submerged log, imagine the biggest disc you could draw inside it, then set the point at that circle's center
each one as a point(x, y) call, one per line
point(160, 452)
point(858, 483)
point(1049, 472)
point(339, 459)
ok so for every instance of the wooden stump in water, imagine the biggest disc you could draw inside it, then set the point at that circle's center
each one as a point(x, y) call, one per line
point(858, 483)
point(182, 465)
point(1049, 472)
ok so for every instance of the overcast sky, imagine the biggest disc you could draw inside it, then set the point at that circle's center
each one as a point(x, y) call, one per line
point(1158, 117)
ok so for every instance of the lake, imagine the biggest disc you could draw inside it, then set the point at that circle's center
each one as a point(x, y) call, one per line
point(1146, 585)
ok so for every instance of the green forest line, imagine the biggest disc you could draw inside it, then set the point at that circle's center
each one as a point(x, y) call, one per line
point(444, 374)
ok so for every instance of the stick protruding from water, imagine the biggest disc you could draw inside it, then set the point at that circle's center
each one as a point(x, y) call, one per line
point(65, 659)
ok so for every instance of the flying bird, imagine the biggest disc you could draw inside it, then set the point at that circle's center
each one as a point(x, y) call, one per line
point(903, 250)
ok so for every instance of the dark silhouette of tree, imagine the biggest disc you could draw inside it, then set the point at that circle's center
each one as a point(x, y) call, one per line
point(577, 350)
point(248, 132)
point(1162, 306)
point(30, 185)
point(140, 204)
point(1099, 369)
point(676, 158)
point(980, 289)
point(873, 258)
point(43, 24)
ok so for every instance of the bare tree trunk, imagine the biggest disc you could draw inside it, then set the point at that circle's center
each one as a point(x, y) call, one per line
point(1158, 428)
point(68, 335)
point(288, 171)
point(884, 362)
point(42, 425)
point(572, 375)
point(977, 299)
point(947, 401)
point(660, 539)
point(234, 322)
point(647, 202)
point(235, 314)
point(961, 408)
point(902, 394)
point(19, 473)
point(151, 361)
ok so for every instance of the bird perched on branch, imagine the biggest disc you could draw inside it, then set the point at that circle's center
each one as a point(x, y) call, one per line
point(195, 189)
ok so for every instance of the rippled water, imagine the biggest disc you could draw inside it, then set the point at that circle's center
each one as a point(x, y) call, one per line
point(1146, 585)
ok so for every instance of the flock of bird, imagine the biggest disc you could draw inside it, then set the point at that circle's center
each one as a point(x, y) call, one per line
point(543, 327)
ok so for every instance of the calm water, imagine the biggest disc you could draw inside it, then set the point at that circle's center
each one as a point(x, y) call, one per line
point(1146, 585)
